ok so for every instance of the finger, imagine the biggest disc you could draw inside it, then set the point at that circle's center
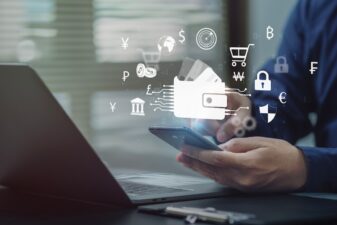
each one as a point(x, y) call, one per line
point(206, 169)
point(241, 145)
point(233, 126)
point(215, 158)
point(205, 127)
point(224, 177)
point(227, 130)
point(232, 102)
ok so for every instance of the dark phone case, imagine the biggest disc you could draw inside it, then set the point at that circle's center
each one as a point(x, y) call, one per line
point(179, 136)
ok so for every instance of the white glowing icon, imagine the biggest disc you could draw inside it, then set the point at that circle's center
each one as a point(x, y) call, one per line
point(268, 113)
point(125, 43)
point(199, 100)
point(203, 97)
point(137, 107)
point(113, 106)
point(166, 42)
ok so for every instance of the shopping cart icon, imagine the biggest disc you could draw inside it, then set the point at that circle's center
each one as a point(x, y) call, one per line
point(239, 55)
point(151, 58)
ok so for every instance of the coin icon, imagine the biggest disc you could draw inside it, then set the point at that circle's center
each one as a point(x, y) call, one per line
point(206, 38)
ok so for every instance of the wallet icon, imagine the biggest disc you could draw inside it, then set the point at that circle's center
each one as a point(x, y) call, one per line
point(199, 100)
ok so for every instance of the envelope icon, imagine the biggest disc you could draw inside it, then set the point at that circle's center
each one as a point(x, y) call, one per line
point(199, 100)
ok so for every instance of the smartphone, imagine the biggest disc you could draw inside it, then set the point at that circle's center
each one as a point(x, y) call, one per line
point(179, 136)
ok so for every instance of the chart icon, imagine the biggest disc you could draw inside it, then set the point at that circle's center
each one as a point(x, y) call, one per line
point(206, 38)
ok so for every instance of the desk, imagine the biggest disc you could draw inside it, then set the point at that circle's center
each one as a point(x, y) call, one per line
point(18, 208)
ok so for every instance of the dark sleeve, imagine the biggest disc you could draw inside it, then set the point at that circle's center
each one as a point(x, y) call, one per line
point(322, 169)
point(291, 121)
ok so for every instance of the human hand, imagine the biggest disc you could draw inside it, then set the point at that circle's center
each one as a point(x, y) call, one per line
point(252, 164)
point(225, 129)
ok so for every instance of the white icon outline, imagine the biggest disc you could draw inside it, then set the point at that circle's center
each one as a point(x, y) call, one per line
point(194, 99)
point(206, 38)
point(125, 43)
point(239, 76)
point(182, 36)
point(113, 106)
point(151, 58)
point(241, 127)
point(283, 98)
point(125, 76)
point(313, 67)
point(167, 42)
point(262, 84)
point(137, 107)
point(270, 33)
point(143, 71)
point(239, 55)
point(265, 111)
point(281, 65)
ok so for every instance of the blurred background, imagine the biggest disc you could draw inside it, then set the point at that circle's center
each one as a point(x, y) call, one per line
point(76, 48)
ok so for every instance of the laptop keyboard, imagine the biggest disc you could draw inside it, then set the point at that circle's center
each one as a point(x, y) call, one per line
point(133, 188)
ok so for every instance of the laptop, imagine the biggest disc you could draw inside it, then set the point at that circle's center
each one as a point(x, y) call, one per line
point(43, 152)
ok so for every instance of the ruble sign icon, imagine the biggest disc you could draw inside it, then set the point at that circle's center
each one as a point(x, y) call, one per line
point(270, 33)
point(126, 75)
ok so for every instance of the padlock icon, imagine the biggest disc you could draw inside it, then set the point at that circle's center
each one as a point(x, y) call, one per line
point(262, 83)
point(281, 65)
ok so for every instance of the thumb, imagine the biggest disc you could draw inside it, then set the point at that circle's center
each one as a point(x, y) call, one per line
point(233, 126)
point(226, 130)
point(242, 145)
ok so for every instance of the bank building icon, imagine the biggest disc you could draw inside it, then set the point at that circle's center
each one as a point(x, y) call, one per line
point(137, 107)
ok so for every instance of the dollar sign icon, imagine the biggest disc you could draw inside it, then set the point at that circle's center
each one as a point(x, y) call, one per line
point(270, 33)
point(182, 36)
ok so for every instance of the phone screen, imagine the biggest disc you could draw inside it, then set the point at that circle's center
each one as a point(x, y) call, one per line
point(179, 136)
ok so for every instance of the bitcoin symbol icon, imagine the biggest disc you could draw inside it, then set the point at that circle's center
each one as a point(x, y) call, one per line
point(182, 36)
point(270, 33)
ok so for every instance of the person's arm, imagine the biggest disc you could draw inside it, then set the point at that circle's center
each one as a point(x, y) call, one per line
point(269, 164)
point(321, 169)
point(291, 122)
point(252, 164)
point(292, 119)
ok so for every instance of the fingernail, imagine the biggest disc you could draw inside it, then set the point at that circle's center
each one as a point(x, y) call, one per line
point(222, 136)
point(184, 159)
point(178, 158)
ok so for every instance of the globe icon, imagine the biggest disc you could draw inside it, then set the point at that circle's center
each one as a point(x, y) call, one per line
point(166, 44)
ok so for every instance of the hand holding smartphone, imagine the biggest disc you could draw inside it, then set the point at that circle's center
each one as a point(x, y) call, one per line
point(179, 136)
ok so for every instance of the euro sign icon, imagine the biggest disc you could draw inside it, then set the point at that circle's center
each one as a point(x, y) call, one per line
point(199, 100)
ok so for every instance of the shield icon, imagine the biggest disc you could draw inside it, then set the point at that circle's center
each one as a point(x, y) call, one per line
point(268, 113)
